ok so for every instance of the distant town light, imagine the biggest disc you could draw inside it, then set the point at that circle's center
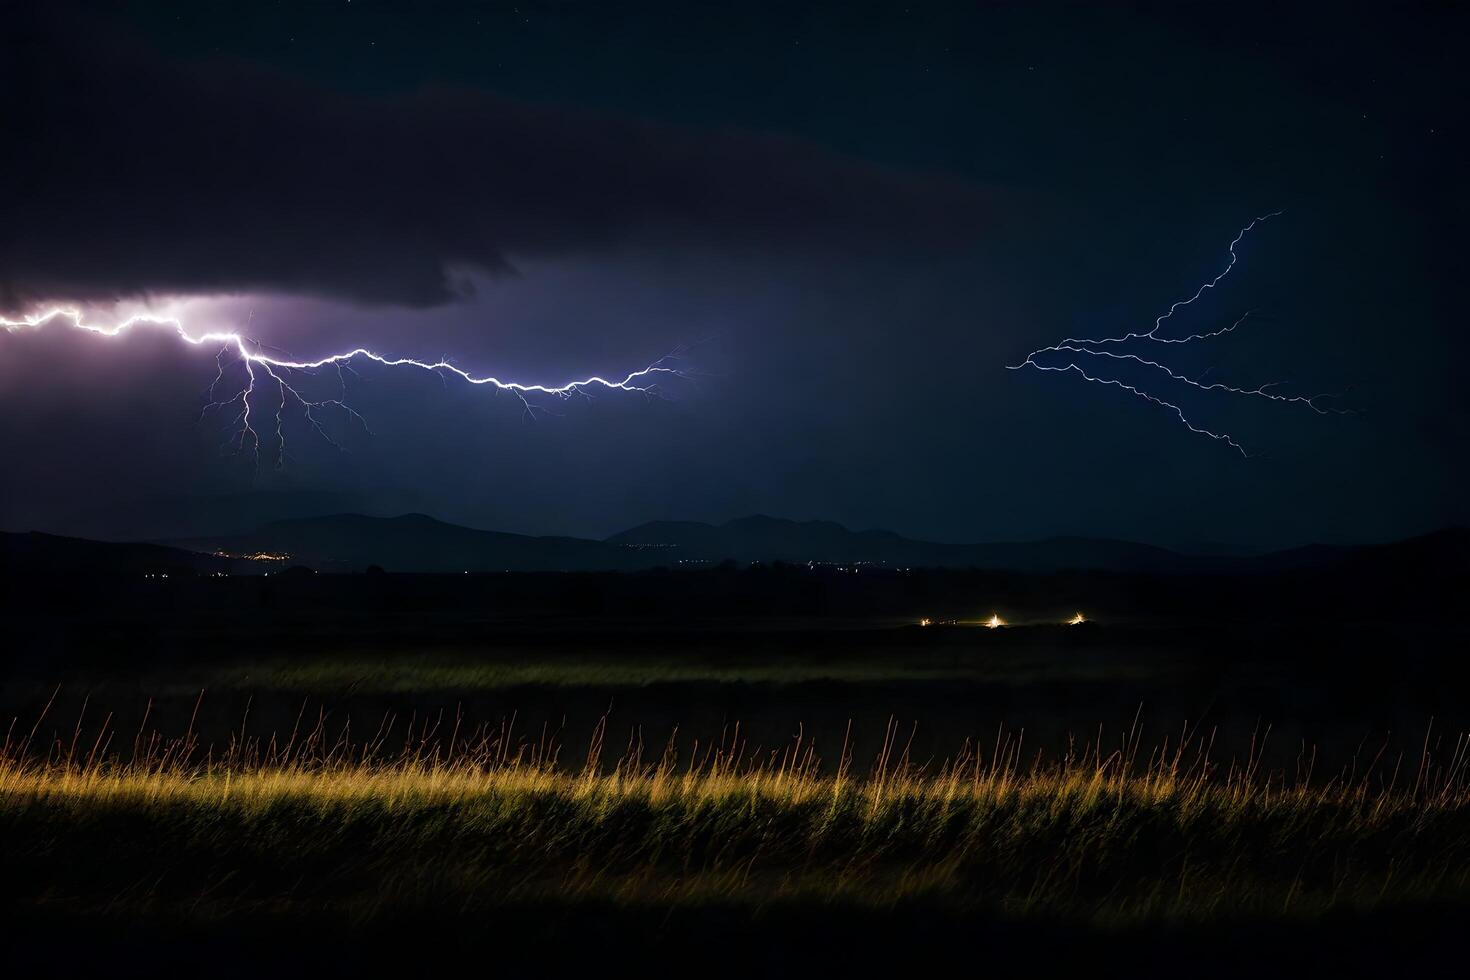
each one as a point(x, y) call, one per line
point(1076, 620)
point(924, 622)
point(269, 556)
point(994, 621)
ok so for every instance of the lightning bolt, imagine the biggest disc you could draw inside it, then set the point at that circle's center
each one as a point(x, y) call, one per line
point(267, 381)
point(1074, 351)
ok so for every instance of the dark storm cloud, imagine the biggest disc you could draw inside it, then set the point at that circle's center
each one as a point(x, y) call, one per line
point(125, 173)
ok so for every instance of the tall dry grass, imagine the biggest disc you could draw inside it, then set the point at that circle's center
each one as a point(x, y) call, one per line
point(429, 812)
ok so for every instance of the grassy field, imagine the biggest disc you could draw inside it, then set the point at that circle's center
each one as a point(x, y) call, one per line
point(351, 857)
point(191, 788)
point(461, 824)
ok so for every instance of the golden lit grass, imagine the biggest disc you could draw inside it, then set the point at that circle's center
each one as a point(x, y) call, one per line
point(457, 824)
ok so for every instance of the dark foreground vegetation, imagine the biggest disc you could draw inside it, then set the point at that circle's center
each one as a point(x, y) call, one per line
point(769, 772)
point(496, 847)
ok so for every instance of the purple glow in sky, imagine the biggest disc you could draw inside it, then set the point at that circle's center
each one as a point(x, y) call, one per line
point(853, 238)
point(258, 383)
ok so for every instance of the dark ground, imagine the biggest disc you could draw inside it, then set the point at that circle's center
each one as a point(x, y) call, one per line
point(801, 941)
point(1349, 662)
point(1339, 660)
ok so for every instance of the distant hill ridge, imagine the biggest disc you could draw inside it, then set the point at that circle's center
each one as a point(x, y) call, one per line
point(419, 543)
point(762, 538)
point(32, 552)
point(415, 543)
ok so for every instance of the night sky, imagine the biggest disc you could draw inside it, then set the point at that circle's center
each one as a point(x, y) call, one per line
point(851, 218)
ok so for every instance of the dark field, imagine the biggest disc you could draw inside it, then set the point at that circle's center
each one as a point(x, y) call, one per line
point(307, 773)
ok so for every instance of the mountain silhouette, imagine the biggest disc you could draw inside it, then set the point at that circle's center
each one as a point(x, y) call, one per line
point(419, 543)
point(761, 538)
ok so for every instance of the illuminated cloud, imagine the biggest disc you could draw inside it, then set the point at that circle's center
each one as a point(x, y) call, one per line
point(267, 373)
